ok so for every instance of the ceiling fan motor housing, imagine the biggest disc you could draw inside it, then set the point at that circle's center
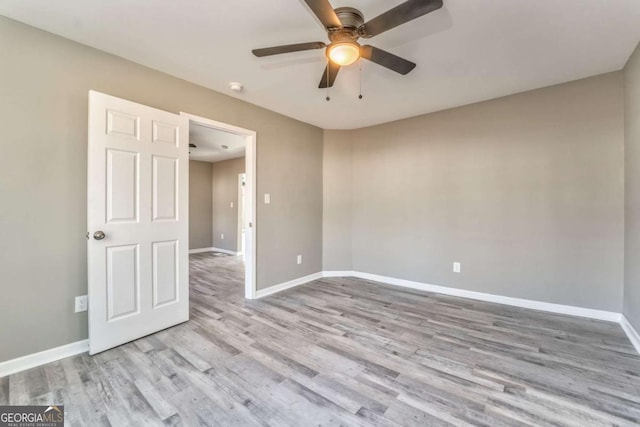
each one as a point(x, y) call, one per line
point(350, 17)
point(351, 20)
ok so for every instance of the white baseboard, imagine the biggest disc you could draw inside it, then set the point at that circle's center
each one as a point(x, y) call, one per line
point(200, 251)
point(633, 335)
point(288, 285)
point(338, 273)
point(36, 359)
point(224, 251)
point(480, 296)
point(589, 313)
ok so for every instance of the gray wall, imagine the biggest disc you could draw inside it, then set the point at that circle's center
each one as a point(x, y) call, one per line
point(337, 207)
point(632, 189)
point(292, 222)
point(525, 191)
point(200, 205)
point(225, 191)
point(43, 208)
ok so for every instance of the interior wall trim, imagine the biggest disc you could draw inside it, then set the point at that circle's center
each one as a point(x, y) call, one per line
point(589, 313)
point(337, 273)
point(609, 316)
point(628, 329)
point(288, 285)
point(47, 356)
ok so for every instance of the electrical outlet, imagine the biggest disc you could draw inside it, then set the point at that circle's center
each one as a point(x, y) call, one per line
point(299, 259)
point(222, 236)
point(81, 303)
point(456, 267)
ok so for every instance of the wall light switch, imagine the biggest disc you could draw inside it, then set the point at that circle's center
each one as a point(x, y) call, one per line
point(267, 198)
point(231, 204)
point(222, 236)
point(299, 259)
point(456, 267)
point(81, 303)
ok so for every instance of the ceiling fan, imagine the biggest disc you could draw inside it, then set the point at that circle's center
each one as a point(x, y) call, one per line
point(345, 25)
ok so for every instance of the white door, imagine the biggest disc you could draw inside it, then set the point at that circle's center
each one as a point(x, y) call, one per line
point(137, 219)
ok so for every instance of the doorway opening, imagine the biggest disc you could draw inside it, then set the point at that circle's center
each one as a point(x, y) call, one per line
point(222, 163)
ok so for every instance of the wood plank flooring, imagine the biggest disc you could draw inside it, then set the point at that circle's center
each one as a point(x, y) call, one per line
point(349, 353)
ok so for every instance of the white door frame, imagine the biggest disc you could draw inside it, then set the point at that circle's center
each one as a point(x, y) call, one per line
point(241, 203)
point(250, 188)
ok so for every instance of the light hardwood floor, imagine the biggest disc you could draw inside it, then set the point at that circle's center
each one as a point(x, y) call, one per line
point(346, 352)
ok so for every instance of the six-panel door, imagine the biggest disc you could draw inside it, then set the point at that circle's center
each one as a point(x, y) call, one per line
point(137, 196)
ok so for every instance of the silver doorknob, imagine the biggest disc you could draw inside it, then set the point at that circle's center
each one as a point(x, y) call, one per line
point(99, 235)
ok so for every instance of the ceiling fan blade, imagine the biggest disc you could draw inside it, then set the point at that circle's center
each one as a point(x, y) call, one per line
point(325, 13)
point(405, 12)
point(329, 75)
point(386, 59)
point(276, 50)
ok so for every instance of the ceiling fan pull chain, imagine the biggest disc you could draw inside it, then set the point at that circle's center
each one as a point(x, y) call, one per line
point(328, 98)
point(360, 71)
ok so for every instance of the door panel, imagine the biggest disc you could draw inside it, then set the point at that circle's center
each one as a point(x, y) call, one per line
point(123, 281)
point(123, 124)
point(165, 189)
point(138, 196)
point(122, 186)
point(165, 269)
point(165, 133)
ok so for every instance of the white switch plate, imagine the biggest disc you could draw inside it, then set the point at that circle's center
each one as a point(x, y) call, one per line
point(299, 259)
point(222, 236)
point(456, 267)
point(267, 198)
point(81, 303)
point(231, 204)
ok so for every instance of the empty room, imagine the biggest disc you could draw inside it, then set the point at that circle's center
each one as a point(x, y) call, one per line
point(320, 213)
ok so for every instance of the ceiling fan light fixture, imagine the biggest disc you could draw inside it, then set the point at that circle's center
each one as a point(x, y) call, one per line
point(345, 26)
point(343, 53)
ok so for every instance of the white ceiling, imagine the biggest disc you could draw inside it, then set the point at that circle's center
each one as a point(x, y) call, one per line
point(468, 51)
point(209, 144)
